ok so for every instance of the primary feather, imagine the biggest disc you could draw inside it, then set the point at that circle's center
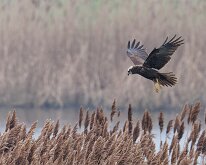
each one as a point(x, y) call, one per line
point(159, 57)
point(136, 53)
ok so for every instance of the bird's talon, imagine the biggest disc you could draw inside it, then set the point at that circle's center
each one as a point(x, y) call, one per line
point(157, 86)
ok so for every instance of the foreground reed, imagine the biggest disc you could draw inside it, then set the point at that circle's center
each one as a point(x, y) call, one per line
point(96, 142)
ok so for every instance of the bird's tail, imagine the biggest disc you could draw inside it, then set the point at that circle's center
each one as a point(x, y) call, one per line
point(167, 79)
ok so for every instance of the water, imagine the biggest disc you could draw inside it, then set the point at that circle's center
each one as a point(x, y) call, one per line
point(70, 116)
point(29, 116)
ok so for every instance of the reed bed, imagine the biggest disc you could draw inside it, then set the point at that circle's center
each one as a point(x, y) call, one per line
point(99, 139)
point(50, 47)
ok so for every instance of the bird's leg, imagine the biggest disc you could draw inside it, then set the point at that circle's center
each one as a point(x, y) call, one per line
point(157, 86)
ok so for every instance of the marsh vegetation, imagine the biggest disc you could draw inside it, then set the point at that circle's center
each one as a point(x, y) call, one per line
point(100, 139)
point(63, 52)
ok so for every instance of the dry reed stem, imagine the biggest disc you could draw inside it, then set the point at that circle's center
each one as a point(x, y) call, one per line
point(92, 120)
point(164, 152)
point(130, 126)
point(185, 110)
point(189, 114)
point(116, 127)
point(118, 115)
point(169, 126)
point(136, 132)
point(147, 122)
point(86, 122)
point(100, 144)
point(81, 116)
point(177, 124)
point(194, 134)
point(195, 111)
point(56, 129)
point(205, 117)
point(113, 110)
point(125, 127)
point(181, 131)
point(11, 121)
point(161, 121)
point(200, 142)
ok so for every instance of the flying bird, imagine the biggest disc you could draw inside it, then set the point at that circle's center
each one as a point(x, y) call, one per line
point(147, 65)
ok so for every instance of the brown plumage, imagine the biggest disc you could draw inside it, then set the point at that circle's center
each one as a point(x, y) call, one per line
point(147, 65)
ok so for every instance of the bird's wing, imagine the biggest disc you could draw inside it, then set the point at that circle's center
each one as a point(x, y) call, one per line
point(159, 57)
point(136, 53)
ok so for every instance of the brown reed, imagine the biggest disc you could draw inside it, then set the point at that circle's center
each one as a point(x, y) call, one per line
point(161, 121)
point(185, 110)
point(114, 110)
point(56, 128)
point(100, 144)
point(189, 115)
point(195, 111)
point(177, 124)
point(147, 122)
point(205, 117)
point(130, 127)
point(181, 131)
point(118, 113)
point(136, 132)
point(200, 142)
point(169, 126)
point(81, 116)
point(86, 122)
point(92, 120)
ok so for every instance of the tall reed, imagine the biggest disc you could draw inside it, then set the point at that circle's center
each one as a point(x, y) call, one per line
point(98, 143)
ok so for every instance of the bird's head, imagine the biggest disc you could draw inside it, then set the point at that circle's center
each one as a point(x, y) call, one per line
point(129, 70)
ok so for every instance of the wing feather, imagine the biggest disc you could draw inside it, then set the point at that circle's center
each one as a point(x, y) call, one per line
point(137, 45)
point(136, 52)
point(161, 56)
point(133, 43)
point(128, 45)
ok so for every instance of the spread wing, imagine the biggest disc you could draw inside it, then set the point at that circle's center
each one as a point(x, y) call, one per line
point(136, 53)
point(159, 57)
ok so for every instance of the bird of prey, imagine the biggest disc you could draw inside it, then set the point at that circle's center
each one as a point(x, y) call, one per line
point(147, 65)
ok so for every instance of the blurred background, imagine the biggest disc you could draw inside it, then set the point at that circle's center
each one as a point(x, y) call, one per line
point(63, 54)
